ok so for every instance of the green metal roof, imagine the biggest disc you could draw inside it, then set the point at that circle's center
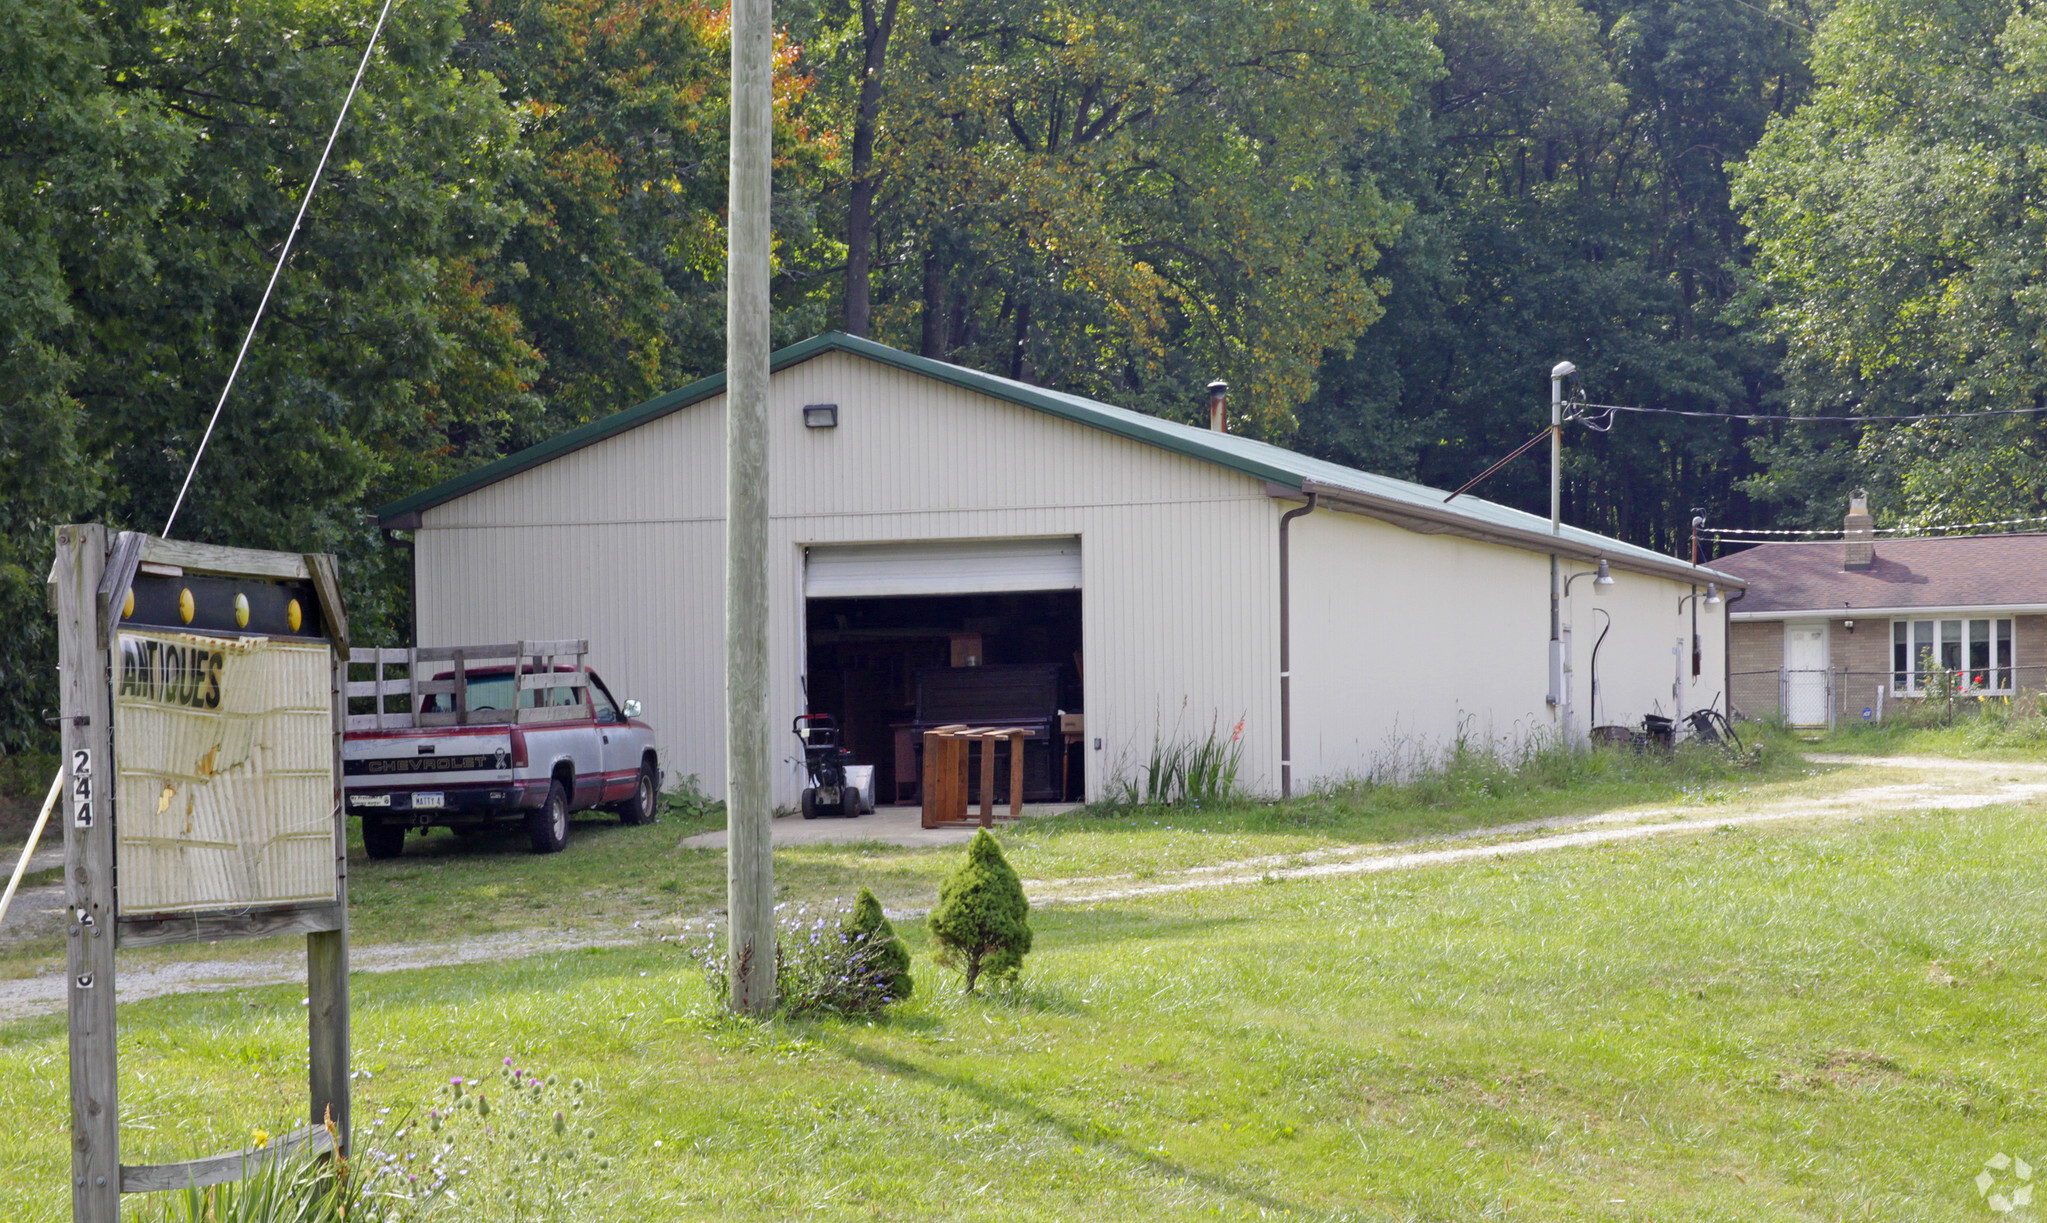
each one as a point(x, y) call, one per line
point(1345, 487)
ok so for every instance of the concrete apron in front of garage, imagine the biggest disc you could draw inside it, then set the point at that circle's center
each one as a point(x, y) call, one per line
point(884, 825)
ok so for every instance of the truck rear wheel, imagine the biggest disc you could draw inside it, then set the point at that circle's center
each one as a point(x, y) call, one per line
point(547, 826)
point(381, 840)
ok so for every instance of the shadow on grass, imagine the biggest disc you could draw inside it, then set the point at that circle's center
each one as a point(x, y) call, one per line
point(1077, 1132)
point(1090, 927)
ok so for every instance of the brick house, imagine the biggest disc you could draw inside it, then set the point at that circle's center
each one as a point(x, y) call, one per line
point(1845, 628)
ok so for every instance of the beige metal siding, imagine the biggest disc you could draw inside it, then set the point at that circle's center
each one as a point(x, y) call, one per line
point(1404, 642)
point(622, 542)
point(1645, 666)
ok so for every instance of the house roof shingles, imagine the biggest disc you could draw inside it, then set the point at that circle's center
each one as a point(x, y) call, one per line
point(1951, 572)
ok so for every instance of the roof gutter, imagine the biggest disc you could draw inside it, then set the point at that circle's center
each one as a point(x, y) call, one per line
point(1845, 612)
point(1428, 520)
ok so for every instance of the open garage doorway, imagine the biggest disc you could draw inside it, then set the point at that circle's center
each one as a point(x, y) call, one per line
point(903, 637)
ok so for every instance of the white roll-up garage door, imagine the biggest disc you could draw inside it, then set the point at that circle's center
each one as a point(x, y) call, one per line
point(941, 567)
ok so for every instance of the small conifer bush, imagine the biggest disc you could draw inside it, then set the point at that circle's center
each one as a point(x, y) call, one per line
point(982, 921)
point(828, 962)
point(879, 955)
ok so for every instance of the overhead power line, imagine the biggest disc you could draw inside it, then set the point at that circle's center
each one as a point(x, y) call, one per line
point(1754, 417)
point(277, 270)
point(1836, 532)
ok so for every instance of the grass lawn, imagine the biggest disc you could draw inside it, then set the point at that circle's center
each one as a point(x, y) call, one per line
point(447, 887)
point(1982, 730)
point(1800, 1023)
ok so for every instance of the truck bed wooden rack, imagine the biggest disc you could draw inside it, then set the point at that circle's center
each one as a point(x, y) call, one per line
point(538, 666)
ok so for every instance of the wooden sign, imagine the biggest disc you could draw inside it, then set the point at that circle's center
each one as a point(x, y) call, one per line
point(202, 717)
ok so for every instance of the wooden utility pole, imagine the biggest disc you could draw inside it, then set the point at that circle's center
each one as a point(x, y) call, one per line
point(749, 861)
point(87, 723)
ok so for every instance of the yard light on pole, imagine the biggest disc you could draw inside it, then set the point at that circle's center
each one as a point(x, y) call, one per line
point(749, 857)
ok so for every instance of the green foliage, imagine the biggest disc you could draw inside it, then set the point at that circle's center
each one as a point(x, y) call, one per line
point(512, 1150)
point(1567, 176)
point(1898, 243)
point(1995, 727)
point(519, 1147)
point(615, 266)
point(1131, 197)
point(981, 923)
point(685, 800)
point(880, 956)
point(84, 175)
point(27, 775)
point(1468, 772)
point(830, 961)
point(1185, 772)
point(301, 1187)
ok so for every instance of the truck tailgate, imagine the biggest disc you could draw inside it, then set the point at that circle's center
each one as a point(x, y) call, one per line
point(427, 759)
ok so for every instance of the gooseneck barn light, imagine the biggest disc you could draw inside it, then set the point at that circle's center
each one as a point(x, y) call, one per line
point(1712, 596)
point(1601, 578)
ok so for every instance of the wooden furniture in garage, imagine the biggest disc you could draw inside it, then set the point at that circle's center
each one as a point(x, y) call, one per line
point(945, 773)
point(1021, 696)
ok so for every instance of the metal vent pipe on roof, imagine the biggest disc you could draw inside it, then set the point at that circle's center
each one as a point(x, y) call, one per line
point(1218, 401)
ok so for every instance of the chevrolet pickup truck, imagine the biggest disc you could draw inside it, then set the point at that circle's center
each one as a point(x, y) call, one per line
point(488, 735)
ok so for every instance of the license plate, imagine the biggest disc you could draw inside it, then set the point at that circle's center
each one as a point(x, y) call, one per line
point(427, 802)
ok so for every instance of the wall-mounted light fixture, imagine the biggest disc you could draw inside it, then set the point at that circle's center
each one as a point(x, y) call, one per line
point(1712, 596)
point(1712, 599)
point(1601, 579)
point(820, 416)
point(1849, 625)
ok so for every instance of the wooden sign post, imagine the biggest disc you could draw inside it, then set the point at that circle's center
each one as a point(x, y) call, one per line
point(202, 715)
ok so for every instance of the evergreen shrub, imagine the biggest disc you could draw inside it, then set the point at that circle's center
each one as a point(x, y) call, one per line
point(982, 921)
point(876, 952)
point(831, 962)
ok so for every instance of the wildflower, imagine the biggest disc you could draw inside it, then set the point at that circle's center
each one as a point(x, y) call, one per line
point(259, 1138)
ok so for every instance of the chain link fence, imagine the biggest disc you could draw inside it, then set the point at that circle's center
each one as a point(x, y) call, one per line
point(1827, 698)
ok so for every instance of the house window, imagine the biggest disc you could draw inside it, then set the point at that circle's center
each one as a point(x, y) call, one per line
point(1978, 651)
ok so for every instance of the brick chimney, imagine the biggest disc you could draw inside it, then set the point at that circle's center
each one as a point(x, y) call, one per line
point(1858, 533)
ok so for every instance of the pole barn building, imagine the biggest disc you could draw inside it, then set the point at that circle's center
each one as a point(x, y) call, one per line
point(1122, 570)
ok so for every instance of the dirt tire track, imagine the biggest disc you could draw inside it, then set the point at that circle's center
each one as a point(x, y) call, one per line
point(1962, 785)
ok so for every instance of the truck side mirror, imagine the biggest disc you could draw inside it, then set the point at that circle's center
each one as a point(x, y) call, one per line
point(631, 709)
